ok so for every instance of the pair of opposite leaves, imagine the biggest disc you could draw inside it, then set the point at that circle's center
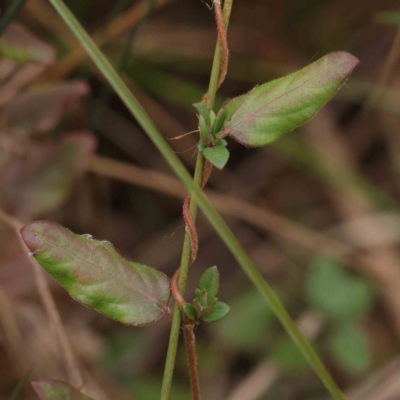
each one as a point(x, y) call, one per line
point(92, 271)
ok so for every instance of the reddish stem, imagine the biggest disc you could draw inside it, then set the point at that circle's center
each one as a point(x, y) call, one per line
point(190, 226)
point(175, 290)
point(190, 341)
point(194, 238)
point(223, 41)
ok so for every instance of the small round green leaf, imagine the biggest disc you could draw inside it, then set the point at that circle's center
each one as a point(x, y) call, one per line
point(218, 156)
point(210, 282)
point(190, 311)
point(220, 310)
point(222, 142)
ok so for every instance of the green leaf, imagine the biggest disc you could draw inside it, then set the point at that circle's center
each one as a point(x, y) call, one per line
point(204, 112)
point(204, 129)
point(350, 348)
point(17, 44)
point(219, 122)
point(198, 294)
point(212, 117)
point(222, 143)
point(190, 311)
point(94, 274)
point(220, 310)
point(270, 110)
point(337, 294)
point(56, 390)
point(203, 301)
point(210, 282)
point(217, 156)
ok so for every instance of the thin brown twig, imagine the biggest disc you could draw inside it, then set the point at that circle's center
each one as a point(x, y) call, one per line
point(49, 305)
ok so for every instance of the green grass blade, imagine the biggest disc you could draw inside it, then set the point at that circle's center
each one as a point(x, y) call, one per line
point(219, 225)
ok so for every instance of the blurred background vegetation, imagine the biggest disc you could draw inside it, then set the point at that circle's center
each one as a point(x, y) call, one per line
point(318, 211)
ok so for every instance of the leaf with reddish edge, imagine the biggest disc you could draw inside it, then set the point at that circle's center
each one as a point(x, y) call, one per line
point(270, 110)
point(17, 44)
point(57, 390)
point(94, 274)
point(40, 181)
point(38, 110)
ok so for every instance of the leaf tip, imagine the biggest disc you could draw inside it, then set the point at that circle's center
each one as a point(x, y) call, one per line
point(28, 235)
point(343, 56)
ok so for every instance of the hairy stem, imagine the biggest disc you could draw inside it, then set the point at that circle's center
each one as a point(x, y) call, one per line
point(219, 59)
point(223, 42)
point(190, 342)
